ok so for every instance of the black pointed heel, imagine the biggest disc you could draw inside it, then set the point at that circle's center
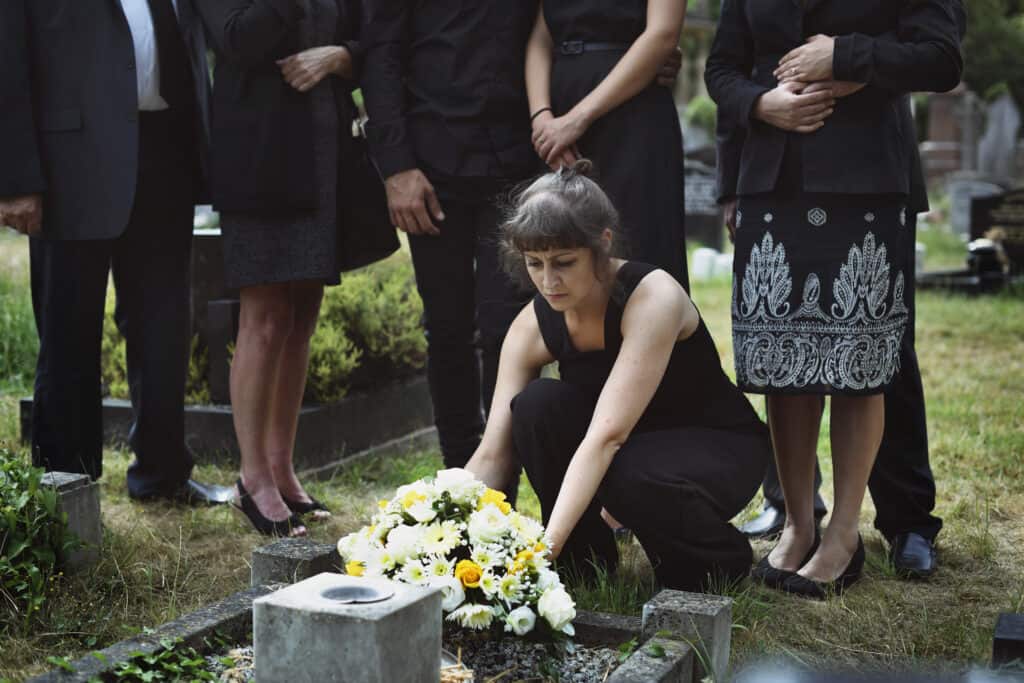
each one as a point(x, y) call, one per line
point(262, 524)
point(774, 577)
point(821, 590)
point(301, 508)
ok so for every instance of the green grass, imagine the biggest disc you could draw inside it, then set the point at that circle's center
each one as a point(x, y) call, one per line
point(162, 561)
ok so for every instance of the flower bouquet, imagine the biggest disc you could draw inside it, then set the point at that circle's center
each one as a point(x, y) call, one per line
point(491, 563)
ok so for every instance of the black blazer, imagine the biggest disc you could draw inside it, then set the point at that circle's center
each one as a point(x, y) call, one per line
point(69, 110)
point(262, 154)
point(867, 145)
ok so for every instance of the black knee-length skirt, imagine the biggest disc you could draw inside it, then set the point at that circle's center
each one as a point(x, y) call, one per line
point(818, 292)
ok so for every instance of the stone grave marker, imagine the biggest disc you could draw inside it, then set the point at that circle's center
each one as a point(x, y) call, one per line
point(703, 215)
point(1008, 643)
point(964, 187)
point(1005, 213)
point(332, 627)
point(997, 151)
point(79, 497)
point(704, 621)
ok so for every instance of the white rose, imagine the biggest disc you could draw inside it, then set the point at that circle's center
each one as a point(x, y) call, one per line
point(520, 620)
point(403, 542)
point(488, 525)
point(557, 607)
point(548, 579)
point(472, 616)
point(452, 593)
point(422, 511)
point(460, 484)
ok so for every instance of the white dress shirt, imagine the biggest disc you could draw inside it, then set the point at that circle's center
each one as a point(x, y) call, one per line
point(147, 58)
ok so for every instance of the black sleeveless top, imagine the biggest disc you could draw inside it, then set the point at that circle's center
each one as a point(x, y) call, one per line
point(695, 392)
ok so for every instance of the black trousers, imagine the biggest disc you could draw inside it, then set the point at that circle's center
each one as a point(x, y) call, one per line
point(150, 265)
point(901, 483)
point(468, 305)
point(676, 489)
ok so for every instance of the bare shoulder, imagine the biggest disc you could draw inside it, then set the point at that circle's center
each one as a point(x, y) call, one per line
point(660, 301)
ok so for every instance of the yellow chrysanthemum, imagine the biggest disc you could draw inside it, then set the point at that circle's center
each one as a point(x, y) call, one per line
point(495, 498)
point(355, 568)
point(468, 572)
point(516, 567)
point(539, 548)
point(524, 556)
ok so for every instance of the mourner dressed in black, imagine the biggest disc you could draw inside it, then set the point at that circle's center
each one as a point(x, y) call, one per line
point(591, 64)
point(449, 129)
point(812, 102)
point(103, 135)
point(297, 205)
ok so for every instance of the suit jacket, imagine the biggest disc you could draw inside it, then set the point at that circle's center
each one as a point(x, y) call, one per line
point(263, 127)
point(69, 123)
point(868, 145)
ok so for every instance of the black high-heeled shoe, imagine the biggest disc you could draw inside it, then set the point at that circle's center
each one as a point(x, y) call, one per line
point(821, 590)
point(773, 577)
point(301, 508)
point(267, 527)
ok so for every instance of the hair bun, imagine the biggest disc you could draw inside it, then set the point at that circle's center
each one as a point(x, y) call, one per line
point(583, 167)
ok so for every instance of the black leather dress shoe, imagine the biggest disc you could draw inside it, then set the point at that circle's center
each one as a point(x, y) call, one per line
point(912, 555)
point(767, 525)
point(193, 492)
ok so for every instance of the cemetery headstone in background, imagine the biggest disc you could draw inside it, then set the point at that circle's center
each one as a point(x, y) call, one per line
point(703, 215)
point(997, 151)
point(1003, 214)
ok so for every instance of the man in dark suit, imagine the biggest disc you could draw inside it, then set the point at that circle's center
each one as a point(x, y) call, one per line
point(102, 131)
point(901, 483)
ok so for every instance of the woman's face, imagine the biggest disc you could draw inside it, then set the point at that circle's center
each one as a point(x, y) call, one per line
point(564, 277)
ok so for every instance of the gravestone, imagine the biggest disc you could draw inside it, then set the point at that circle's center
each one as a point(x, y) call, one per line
point(1008, 642)
point(703, 215)
point(1004, 215)
point(290, 560)
point(342, 628)
point(704, 621)
point(997, 151)
point(963, 188)
point(78, 496)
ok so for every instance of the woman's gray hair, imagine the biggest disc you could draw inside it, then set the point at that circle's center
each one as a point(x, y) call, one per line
point(565, 209)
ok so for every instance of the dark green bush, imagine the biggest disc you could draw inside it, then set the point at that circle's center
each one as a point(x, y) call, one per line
point(33, 537)
point(701, 112)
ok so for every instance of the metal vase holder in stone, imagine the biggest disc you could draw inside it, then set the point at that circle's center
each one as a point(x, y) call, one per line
point(309, 632)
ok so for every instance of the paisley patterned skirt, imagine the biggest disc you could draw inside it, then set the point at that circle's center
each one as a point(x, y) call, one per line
point(818, 292)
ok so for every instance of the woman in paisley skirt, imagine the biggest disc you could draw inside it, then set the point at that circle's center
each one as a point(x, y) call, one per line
point(811, 141)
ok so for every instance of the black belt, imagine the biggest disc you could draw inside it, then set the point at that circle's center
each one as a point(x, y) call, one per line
point(578, 47)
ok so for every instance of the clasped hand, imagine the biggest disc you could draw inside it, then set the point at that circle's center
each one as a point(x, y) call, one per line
point(555, 137)
point(24, 214)
point(304, 70)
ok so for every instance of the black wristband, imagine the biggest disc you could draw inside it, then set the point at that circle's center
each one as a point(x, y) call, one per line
point(538, 113)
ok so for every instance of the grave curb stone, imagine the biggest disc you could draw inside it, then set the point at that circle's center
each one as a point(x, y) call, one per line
point(704, 621)
point(1008, 641)
point(229, 618)
point(675, 666)
point(603, 629)
point(290, 560)
point(79, 497)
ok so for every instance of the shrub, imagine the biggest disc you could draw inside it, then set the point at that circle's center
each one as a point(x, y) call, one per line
point(18, 341)
point(33, 537)
point(701, 112)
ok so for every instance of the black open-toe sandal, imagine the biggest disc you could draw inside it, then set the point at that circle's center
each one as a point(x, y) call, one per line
point(305, 508)
point(262, 524)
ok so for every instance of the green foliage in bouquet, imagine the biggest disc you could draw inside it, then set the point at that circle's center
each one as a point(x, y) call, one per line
point(33, 537)
point(491, 563)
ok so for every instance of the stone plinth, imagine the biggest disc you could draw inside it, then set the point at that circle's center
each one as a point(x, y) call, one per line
point(290, 560)
point(301, 636)
point(79, 497)
point(659, 660)
point(1008, 643)
point(703, 621)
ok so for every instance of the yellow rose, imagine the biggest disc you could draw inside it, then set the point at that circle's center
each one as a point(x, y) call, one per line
point(495, 498)
point(468, 572)
point(355, 568)
point(524, 555)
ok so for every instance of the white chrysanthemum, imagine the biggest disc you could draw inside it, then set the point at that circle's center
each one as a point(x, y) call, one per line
point(416, 493)
point(488, 555)
point(415, 573)
point(472, 616)
point(452, 592)
point(441, 539)
point(487, 525)
point(529, 530)
point(439, 567)
point(460, 484)
point(520, 620)
point(510, 588)
point(403, 542)
point(548, 579)
point(557, 607)
point(489, 583)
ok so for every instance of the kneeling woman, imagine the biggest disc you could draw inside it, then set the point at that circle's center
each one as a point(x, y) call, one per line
point(643, 420)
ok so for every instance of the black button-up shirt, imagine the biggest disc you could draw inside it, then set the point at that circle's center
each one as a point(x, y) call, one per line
point(444, 86)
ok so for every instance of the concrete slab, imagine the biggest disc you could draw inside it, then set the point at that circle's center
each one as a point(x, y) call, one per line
point(290, 560)
point(704, 621)
point(79, 497)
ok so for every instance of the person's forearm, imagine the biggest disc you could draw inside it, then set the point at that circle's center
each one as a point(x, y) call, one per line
point(582, 479)
point(538, 67)
point(633, 73)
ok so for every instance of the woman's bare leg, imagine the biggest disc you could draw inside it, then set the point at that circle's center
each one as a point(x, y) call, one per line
point(265, 321)
point(795, 421)
point(857, 425)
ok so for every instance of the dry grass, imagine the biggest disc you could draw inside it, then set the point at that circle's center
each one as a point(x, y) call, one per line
point(162, 561)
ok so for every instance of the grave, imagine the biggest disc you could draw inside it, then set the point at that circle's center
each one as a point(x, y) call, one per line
point(701, 620)
point(1003, 214)
point(78, 496)
point(332, 627)
point(1008, 642)
point(703, 215)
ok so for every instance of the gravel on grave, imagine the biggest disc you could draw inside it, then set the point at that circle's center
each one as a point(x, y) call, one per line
point(510, 659)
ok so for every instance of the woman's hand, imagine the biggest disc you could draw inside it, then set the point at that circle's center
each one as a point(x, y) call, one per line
point(305, 69)
point(788, 108)
point(808, 63)
point(555, 138)
point(840, 89)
